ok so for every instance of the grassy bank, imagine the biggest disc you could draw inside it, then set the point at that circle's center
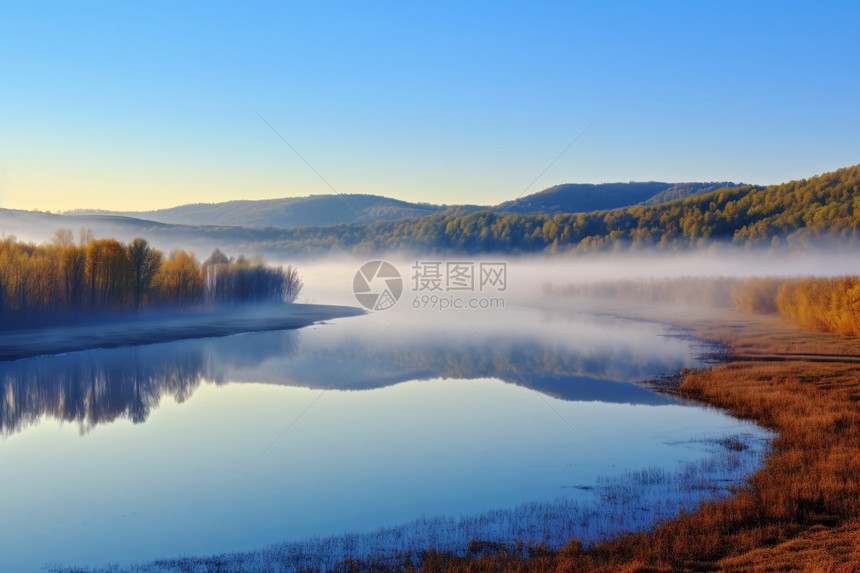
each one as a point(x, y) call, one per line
point(802, 510)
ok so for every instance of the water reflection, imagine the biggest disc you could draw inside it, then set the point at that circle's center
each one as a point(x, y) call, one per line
point(283, 439)
point(568, 356)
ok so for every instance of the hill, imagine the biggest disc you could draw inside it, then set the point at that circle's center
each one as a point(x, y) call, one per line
point(821, 208)
point(585, 197)
point(684, 190)
point(290, 212)
point(39, 226)
point(324, 210)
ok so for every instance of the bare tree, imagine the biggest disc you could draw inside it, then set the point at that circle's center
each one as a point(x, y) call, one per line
point(292, 283)
point(63, 238)
point(85, 236)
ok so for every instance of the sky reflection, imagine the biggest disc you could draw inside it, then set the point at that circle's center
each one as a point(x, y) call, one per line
point(228, 444)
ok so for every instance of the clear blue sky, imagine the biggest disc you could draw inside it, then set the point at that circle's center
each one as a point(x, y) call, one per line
point(141, 105)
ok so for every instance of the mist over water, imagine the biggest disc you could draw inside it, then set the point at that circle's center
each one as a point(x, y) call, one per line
point(330, 279)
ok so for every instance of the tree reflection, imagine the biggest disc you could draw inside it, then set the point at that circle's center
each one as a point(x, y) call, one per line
point(100, 386)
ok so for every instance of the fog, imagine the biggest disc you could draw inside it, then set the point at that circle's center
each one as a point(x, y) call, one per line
point(325, 272)
point(328, 277)
point(329, 280)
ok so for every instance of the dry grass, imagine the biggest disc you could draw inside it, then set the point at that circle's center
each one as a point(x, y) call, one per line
point(801, 511)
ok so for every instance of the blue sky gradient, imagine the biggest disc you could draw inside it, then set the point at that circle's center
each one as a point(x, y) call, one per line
point(148, 105)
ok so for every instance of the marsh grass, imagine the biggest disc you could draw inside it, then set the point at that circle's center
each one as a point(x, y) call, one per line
point(800, 511)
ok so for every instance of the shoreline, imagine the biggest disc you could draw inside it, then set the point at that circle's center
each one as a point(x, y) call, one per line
point(151, 328)
point(702, 489)
point(621, 501)
point(611, 503)
point(800, 510)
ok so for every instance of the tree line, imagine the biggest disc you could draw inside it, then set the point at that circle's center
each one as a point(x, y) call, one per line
point(795, 213)
point(830, 305)
point(60, 279)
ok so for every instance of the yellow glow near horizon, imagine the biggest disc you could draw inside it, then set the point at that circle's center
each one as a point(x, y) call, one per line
point(68, 186)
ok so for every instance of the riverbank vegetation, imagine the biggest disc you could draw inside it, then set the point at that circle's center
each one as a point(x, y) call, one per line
point(60, 280)
point(829, 305)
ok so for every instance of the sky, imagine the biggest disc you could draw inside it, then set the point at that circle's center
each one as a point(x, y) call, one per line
point(145, 105)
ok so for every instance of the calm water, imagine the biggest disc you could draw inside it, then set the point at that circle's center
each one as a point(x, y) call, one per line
point(232, 444)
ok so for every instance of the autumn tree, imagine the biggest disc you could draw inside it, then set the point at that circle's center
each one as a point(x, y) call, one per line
point(109, 272)
point(180, 280)
point(14, 261)
point(43, 280)
point(73, 262)
point(145, 262)
point(45, 283)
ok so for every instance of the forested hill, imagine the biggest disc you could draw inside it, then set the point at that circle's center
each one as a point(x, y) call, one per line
point(324, 210)
point(805, 211)
point(585, 197)
point(825, 207)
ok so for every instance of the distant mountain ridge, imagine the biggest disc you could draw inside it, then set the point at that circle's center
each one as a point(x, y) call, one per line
point(288, 212)
point(818, 211)
point(325, 210)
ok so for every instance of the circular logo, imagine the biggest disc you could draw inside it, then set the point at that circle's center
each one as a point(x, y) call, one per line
point(377, 285)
